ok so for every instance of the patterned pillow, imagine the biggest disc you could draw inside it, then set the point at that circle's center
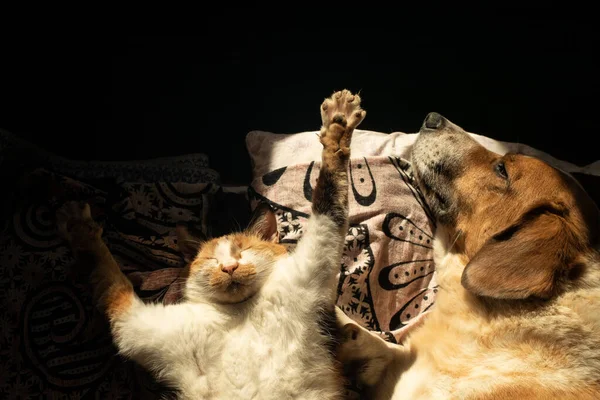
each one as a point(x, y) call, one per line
point(387, 278)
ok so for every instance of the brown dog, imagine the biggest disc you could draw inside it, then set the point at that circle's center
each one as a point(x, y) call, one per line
point(518, 311)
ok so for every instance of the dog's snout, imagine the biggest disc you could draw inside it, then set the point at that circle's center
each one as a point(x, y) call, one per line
point(434, 120)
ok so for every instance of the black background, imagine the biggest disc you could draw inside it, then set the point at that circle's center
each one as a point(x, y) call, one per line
point(515, 75)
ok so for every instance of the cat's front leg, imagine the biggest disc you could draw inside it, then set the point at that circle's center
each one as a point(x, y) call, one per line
point(113, 292)
point(340, 114)
point(137, 328)
point(319, 250)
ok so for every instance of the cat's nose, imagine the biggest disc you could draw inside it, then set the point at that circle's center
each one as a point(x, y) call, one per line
point(230, 267)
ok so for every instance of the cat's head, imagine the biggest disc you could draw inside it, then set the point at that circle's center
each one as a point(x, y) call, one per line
point(232, 268)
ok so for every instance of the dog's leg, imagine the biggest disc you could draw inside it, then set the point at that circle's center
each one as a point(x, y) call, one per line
point(374, 364)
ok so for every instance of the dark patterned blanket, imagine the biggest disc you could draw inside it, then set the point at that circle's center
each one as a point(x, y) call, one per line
point(53, 343)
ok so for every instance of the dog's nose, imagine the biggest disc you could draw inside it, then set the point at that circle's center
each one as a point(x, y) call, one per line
point(434, 120)
point(229, 268)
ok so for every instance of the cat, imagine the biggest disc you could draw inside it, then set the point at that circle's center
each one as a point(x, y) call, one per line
point(250, 325)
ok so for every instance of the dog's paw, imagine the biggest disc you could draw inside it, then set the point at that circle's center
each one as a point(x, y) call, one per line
point(340, 114)
point(363, 355)
point(352, 338)
point(75, 224)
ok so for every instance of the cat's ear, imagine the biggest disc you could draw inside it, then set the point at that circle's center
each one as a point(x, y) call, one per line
point(264, 223)
point(188, 243)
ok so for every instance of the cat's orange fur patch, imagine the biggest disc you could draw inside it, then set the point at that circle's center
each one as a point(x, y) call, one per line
point(239, 241)
point(273, 248)
point(119, 300)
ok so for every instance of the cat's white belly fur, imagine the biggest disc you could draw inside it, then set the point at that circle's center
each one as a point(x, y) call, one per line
point(252, 355)
point(269, 347)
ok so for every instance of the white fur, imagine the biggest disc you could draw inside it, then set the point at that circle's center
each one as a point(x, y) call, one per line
point(268, 347)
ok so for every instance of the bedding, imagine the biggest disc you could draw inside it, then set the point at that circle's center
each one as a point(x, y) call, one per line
point(53, 343)
point(387, 279)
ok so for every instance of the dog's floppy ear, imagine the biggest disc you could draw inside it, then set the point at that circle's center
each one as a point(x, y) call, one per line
point(590, 183)
point(521, 261)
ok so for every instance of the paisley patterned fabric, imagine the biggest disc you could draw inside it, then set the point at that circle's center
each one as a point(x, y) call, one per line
point(386, 279)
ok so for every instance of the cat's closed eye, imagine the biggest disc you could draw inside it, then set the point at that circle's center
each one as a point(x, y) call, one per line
point(241, 246)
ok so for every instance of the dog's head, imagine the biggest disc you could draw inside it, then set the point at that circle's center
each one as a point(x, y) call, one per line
point(524, 227)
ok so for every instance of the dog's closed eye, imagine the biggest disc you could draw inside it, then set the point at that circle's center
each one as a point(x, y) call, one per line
point(500, 169)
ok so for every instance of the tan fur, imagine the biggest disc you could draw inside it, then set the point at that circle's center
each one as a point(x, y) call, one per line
point(120, 300)
point(518, 309)
point(489, 348)
point(535, 393)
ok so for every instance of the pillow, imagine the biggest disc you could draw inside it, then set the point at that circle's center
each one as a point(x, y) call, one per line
point(269, 151)
point(387, 279)
point(190, 168)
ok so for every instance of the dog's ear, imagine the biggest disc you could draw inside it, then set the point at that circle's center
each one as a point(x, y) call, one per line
point(591, 184)
point(521, 261)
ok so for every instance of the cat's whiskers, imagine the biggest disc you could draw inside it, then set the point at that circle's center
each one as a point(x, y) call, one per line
point(179, 283)
point(239, 227)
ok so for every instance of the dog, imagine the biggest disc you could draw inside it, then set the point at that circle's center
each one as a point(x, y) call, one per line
point(517, 259)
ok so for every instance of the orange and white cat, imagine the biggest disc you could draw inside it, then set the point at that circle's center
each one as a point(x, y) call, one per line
point(251, 323)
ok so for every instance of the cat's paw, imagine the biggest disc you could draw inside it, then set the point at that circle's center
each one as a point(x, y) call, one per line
point(342, 108)
point(340, 113)
point(75, 224)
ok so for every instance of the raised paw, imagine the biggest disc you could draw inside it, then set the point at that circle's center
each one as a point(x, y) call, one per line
point(75, 224)
point(341, 114)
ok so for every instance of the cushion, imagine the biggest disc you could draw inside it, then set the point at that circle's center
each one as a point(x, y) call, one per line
point(269, 151)
point(387, 279)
